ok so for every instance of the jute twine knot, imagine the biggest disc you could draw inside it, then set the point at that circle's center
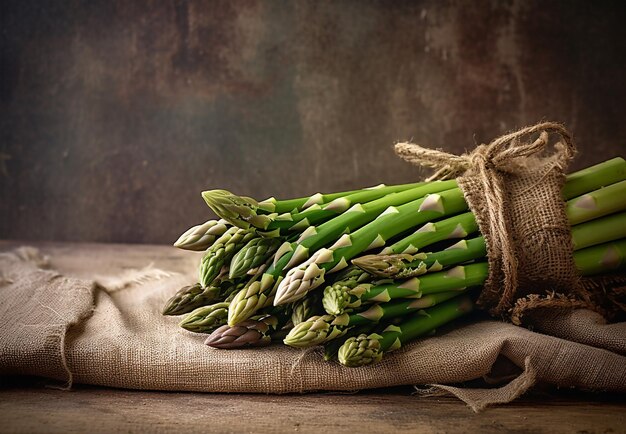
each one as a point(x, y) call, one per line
point(489, 167)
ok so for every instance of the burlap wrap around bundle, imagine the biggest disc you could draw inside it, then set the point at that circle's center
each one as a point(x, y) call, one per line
point(86, 318)
point(514, 191)
point(515, 195)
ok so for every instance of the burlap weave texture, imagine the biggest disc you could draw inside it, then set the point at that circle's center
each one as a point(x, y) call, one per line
point(118, 338)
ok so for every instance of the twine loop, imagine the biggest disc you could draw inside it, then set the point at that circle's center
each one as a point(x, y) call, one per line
point(490, 164)
point(500, 154)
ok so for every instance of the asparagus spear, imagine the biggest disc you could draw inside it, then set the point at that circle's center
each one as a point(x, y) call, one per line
point(404, 266)
point(186, 299)
point(222, 252)
point(366, 349)
point(272, 323)
point(273, 205)
point(205, 319)
point(593, 177)
point(201, 237)
point(248, 333)
point(577, 183)
point(305, 308)
point(309, 275)
point(240, 211)
point(317, 330)
point(299, 280)
point(606, 200)
point(602, 258)
point(191, 297)
point(608, 228)
point(457, 278)
point(602, 230)
point(331, 348)
point(337, 294)
point(254, 254)
point(613, 170)
point(244, 211)
point(320, 329)
point(458, 226)
point(431, 289)
point(261, 293)
point(288, 222)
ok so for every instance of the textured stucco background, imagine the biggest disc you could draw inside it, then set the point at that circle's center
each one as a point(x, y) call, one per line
point(115, 115)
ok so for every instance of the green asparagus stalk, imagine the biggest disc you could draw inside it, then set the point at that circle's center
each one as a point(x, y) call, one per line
point(603, 229)
point(286, 223)
point(404, 266)
point(273, 205)
point(302, 279)
point(222, 252)
point(299, 280)
point(254, 254)
point(331, 348)
point(613, 170)
point(593, 177)
point(320, 329)
point(261, 293)
point(240, 211)
point(201, 237)
point(457, 278)
point(191, 297)
point(366, 349)
point(577, 183)
point(431, 289)
point(317, 330)
point(245, 212)
point(188, 298)
point(205, 319)
point(271, 323)
point(455, 227)
point(306, 308)
point(338, 294)
point(602, 258)
point(337, 301)
point(606, 200)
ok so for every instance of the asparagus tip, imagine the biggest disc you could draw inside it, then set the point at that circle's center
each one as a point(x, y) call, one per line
point(360, 350)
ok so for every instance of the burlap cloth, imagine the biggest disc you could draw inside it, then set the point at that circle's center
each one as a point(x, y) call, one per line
point(111, 333)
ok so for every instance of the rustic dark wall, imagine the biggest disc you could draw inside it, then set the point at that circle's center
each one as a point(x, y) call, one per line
point(116, 114)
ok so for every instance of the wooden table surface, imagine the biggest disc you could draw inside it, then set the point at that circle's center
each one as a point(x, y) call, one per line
point(27, 405)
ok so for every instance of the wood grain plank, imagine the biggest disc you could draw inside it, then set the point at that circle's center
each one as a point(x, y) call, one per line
point(91, 409)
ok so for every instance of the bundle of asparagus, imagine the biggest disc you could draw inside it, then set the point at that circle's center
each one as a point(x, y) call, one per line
point(280, 269)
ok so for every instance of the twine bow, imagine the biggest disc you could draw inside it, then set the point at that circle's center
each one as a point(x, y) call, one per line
point(489, 164)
